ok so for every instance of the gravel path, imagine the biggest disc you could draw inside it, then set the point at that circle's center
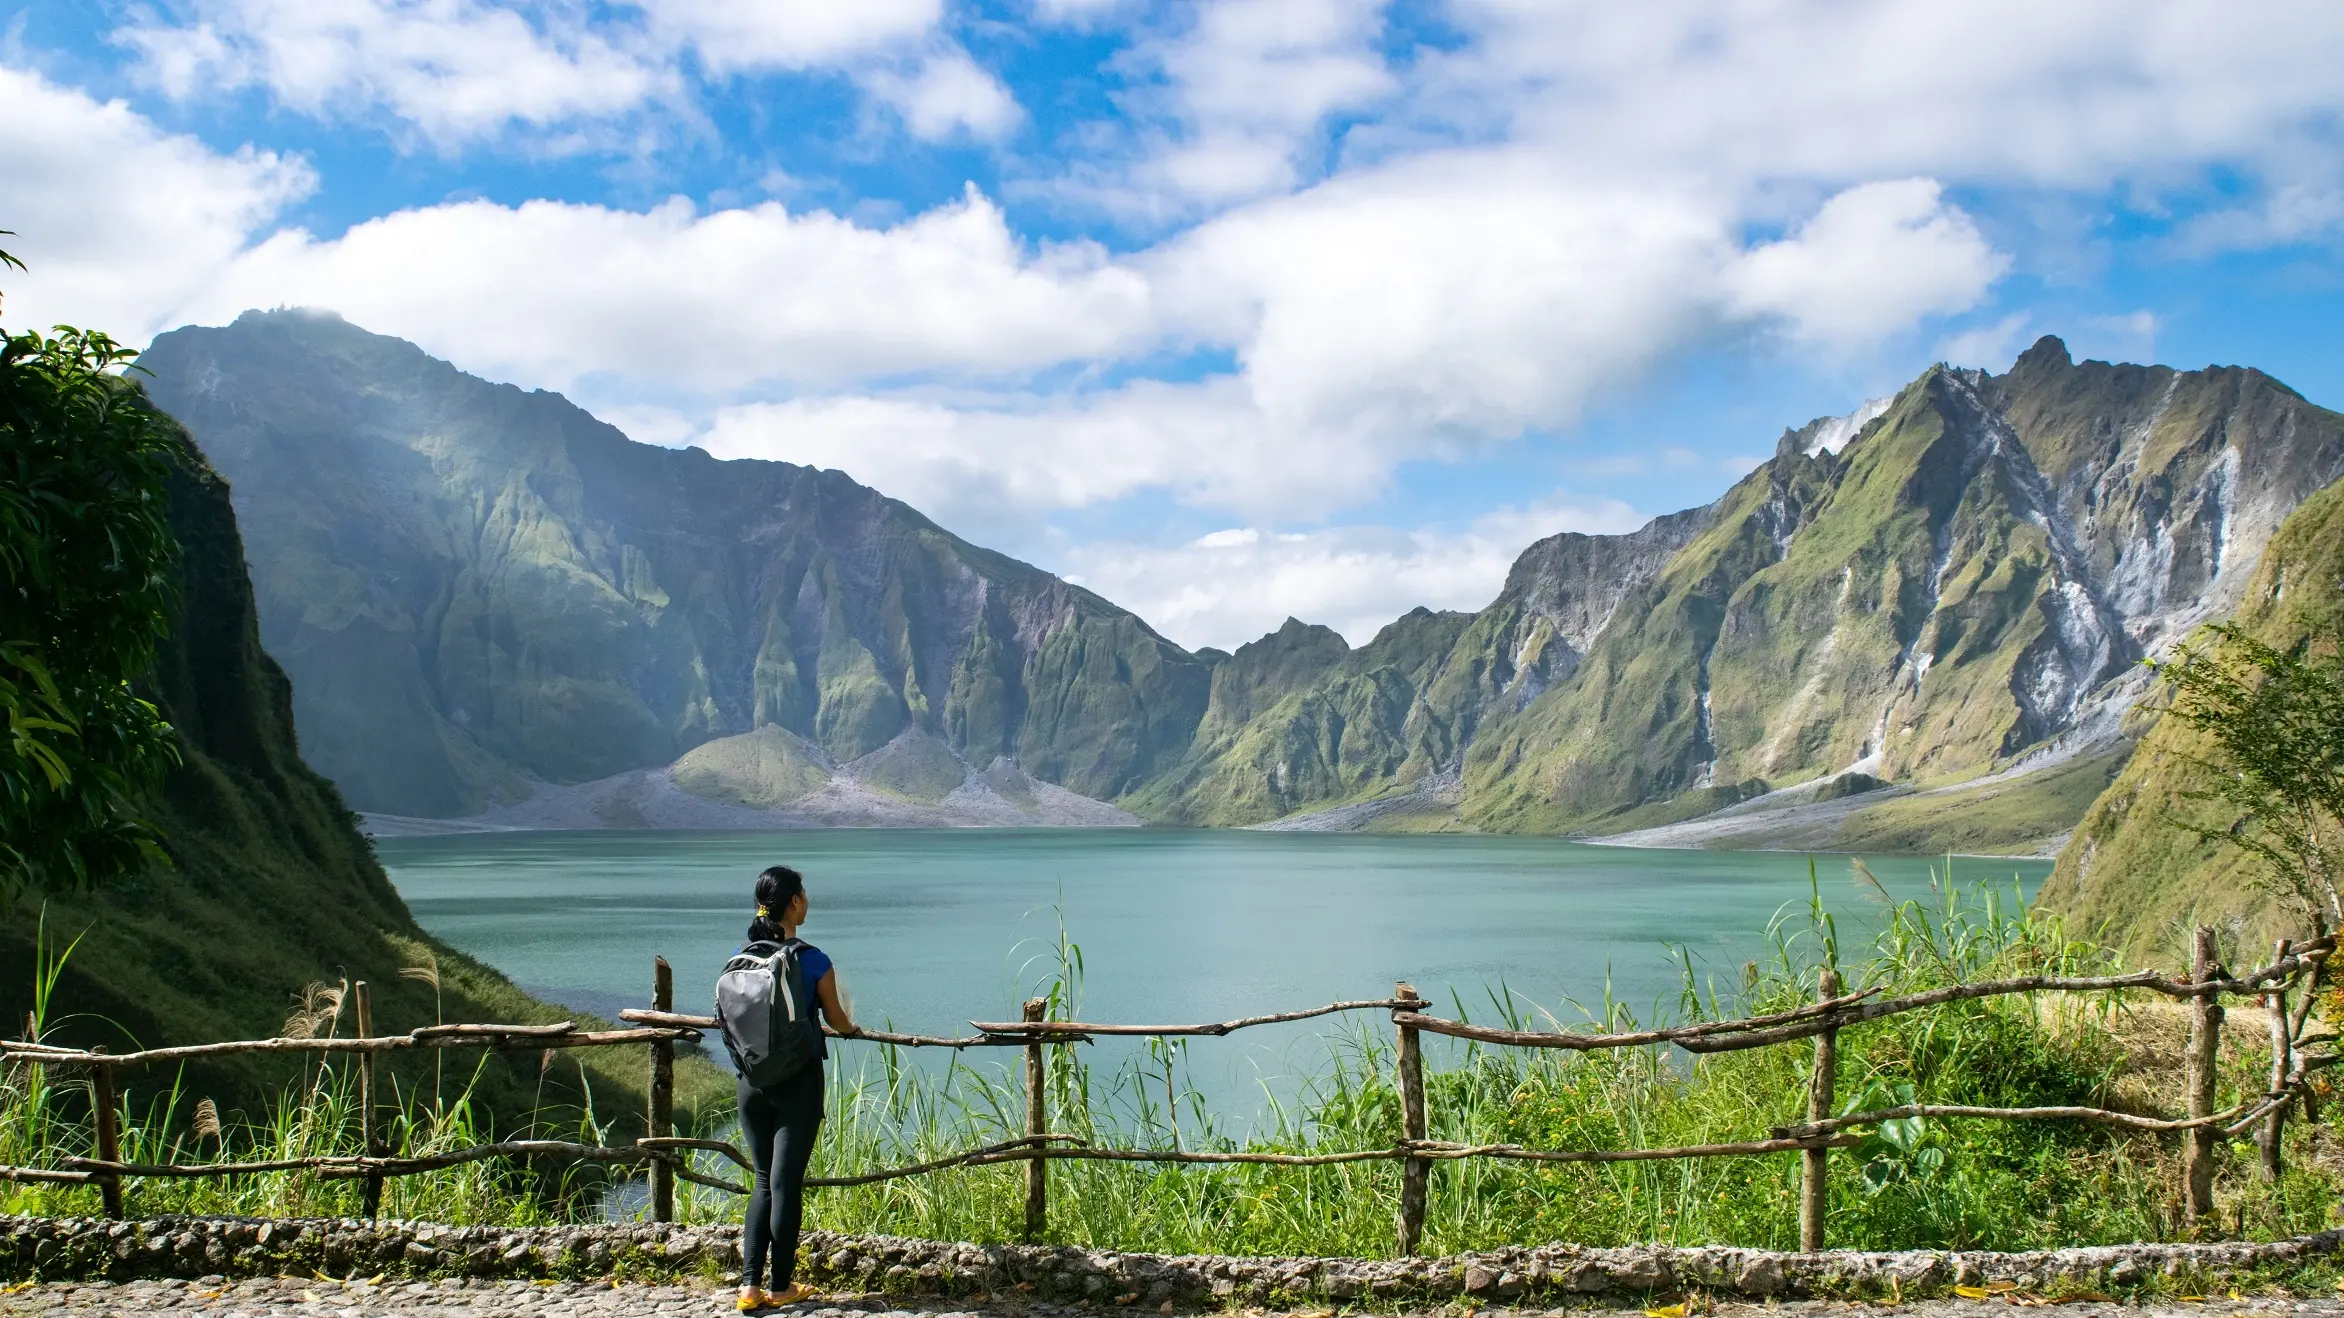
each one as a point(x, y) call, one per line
point(292, 1297)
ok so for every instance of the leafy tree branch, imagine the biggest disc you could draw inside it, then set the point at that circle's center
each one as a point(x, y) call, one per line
point(2272, 780)
point(86, 553)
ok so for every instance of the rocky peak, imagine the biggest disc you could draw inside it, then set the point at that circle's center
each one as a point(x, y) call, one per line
point(2048, 355)
point(1265, 671)
point(1575, 581)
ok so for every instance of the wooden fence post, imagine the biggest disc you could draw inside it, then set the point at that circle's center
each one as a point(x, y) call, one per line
point(659, 1122)
point(2282, 1056)
point(104, 1120)
point(2205, 1044)
point(1037, 1205)
point(366, 1129)
point(1415, 1173)
point(1814, 1190)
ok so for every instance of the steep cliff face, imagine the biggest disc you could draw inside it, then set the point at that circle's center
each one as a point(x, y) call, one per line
point(1300, 719)
point(2131, 874)
point(1300, 722)
point(477, 589)
point(270, 888)
point(1962, 586)
point(491, 602)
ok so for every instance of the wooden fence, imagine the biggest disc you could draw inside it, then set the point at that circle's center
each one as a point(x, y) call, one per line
point(2288, 986)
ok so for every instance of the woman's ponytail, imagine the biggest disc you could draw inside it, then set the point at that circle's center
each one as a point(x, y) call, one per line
point(776, 889)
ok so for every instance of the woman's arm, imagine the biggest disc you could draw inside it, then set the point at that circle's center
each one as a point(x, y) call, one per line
point(833, 1010)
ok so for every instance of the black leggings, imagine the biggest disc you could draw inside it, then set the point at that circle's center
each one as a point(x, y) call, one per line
point(778, 1125)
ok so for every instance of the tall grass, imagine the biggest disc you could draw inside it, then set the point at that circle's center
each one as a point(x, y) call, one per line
point(46, 1114)
point(1967, 1184)
point(1971, 1184)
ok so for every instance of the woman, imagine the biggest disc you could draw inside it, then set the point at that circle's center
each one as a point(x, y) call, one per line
point(778, 1124)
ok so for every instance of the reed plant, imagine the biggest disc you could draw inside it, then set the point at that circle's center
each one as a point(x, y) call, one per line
point(1913, 1184)
point(46, 1114)
point(1953, 1184)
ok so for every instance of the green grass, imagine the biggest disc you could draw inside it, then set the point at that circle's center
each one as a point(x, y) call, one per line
point(1964, 1185)
point(1921, 1184)
point(46, 1114)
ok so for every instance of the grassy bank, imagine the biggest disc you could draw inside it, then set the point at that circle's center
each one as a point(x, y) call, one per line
point(1915, 1184)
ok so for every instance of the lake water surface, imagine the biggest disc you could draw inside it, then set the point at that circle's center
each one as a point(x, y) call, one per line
point(932, 929)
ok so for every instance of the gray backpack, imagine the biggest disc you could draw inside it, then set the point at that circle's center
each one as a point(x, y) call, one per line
point(766, 1010)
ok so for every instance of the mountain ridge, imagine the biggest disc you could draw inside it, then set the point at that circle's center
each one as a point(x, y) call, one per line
point(2011, 613)
point(1944, 590)
point(476, 589)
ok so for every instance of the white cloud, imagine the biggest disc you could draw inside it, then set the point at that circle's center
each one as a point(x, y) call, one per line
point(118, 220)
point(1230, 106)
point(946, 93)
point(1428, 310)
point(890, 48)
point(2078, 94)
point(457, 70)
point(464, 71)
point(1232, 586)
point(1993, 346)
point(548, 292)
point(1458, 298)
point(973, 462)
point(1075, 12)
point(1464, 298)
point(2131, 337)
point(734, 35)
point(1874, 259)
point(2288, 216)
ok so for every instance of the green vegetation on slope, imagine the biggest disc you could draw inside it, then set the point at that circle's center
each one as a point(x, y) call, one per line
point(1299, 720)
point(85, 575)
point(1944, 595)
point(271, 888)
point(766, 768)
point(1631, 725)
point(473, 587)
point(2133, 872)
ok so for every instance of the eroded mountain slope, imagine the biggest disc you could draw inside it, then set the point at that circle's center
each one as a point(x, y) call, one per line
point(478, 590)
point(490, 601)
point(2132, 874)
point(1953, 584)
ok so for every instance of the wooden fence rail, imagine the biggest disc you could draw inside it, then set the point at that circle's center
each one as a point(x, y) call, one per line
point(2294, 968)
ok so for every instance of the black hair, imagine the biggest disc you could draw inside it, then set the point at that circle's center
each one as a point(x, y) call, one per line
point(776, 889)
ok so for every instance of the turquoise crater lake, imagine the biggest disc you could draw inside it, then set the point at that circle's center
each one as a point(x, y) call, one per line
point(932, 929)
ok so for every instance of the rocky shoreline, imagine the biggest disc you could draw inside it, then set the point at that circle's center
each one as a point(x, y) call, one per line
point(89, 1249)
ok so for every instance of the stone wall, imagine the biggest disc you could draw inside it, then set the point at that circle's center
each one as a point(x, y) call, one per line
point(90, 1249)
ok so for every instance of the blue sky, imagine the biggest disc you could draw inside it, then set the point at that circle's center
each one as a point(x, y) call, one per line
point(1233, 308)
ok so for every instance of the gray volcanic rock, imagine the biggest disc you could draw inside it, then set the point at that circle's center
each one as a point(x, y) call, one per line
point(217, 1249)
point(494, 606)
point(477, 590)
point(1960, 590)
